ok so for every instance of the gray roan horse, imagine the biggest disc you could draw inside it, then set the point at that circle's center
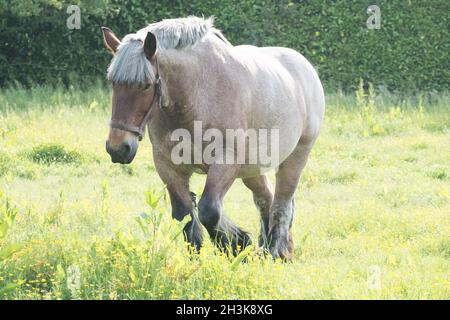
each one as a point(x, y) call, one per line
point(177, 72)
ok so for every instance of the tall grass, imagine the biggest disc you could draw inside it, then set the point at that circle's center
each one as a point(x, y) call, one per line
point(21, 99)
point(375, 195)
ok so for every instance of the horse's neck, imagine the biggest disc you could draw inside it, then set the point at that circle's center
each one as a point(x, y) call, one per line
point(175, 75)
point(184, 74)
point(190, 78)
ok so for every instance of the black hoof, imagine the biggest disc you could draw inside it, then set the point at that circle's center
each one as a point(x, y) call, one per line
point(241, 241)
point(193, 234)
point(232, 242)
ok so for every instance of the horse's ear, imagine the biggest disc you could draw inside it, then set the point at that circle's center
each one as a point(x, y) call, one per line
point(110, 40)
point(150, 46)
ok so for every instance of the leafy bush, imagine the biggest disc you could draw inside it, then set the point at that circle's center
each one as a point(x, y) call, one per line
point(409, 52)
point(53, 153)
point(439, 173)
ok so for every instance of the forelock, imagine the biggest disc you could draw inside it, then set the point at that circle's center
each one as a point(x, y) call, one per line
point(129, 64)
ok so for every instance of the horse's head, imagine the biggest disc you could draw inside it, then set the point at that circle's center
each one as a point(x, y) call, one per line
point(134, 76)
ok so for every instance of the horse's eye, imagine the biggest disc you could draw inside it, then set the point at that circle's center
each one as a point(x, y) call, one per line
point(146, 86)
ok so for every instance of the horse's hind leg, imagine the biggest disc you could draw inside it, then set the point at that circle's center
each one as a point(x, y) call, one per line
point(263, 197)
point(221, 230)
point(282, 210)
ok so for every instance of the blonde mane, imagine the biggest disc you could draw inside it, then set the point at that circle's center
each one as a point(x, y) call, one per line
point(130, 65)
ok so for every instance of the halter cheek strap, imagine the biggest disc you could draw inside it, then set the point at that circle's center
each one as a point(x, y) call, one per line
point(139, 131)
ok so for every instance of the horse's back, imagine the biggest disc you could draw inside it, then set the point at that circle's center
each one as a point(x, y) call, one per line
point(292, 83)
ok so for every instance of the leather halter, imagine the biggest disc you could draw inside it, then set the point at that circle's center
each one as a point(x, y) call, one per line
point(140, 130)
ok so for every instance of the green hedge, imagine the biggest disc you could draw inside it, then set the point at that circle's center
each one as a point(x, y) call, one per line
point(409, 52)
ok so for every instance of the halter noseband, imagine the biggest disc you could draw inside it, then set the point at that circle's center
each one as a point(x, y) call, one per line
point(140, 130)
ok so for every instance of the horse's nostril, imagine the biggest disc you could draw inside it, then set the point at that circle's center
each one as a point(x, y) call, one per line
point(127, 148)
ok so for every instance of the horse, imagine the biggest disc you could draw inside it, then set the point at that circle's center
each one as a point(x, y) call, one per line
point(175, 73)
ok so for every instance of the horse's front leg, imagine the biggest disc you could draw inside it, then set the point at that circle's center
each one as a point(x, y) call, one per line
point(182, 206)
point(183, 201)
point(222, 231)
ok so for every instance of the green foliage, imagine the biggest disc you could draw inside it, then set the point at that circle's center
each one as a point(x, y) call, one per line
point(439, 173)
point(53, 153)
point(7, 217)
point(4, 163)
point(8, 214)
point(409, 52)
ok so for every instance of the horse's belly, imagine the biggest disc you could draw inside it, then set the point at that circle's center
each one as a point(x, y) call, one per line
point(271, 151)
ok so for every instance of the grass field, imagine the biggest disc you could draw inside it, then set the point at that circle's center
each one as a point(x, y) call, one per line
point(372, 217)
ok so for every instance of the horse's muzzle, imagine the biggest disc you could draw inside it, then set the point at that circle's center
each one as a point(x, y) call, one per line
point(124, 153)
